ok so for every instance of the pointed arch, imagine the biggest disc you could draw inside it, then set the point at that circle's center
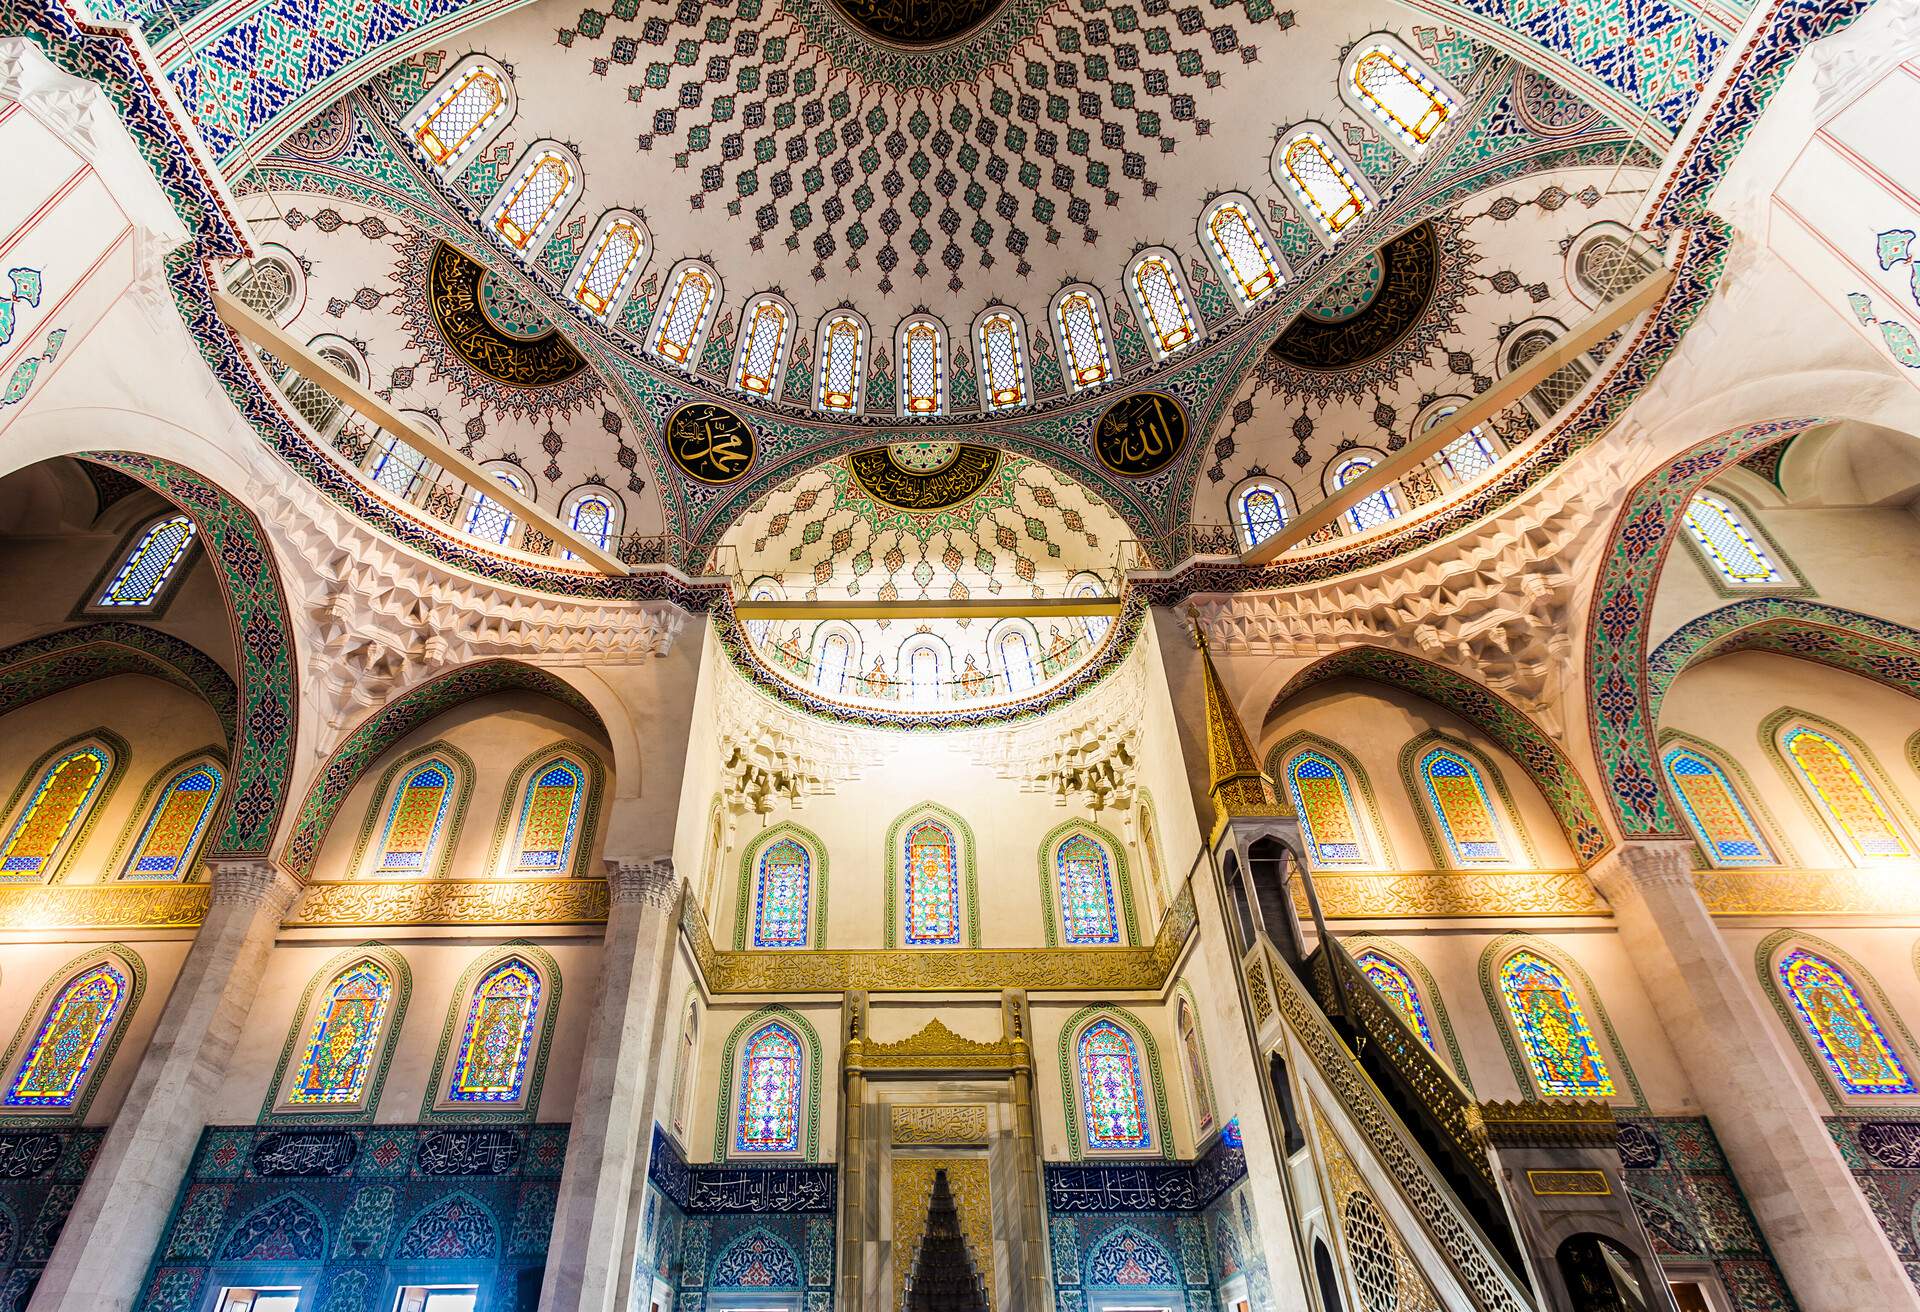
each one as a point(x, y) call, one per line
point(460, 114)
point(783, 1025)
point(615, 255)
point(1558, 1036)
point(758, 1260)
point(162, 838)
point(1000, 355)
point(54, 806)
point(1127, 1257)
point(1466, 811)
point(1730, 820)
point(1109, 1050)
point(54, 662)
point(1158, 290)
point(1388, 83)
point(946, 889)
point(492, 1058)
point(535, 199)
point(334, 1062)
point(760, 359)
point(1192, 1042)
point(412, 825)
point(1234, 237)
point(686, 313)
point(1841, 785)
point(1333, 798)
point(1079, 315)
point(1147, 838)
point(451, 1226)
point(686, 1059)
point(1844, 1026)
point(67, 1040)
point(551, 813)
point(285, 1228)
point(1320, 177)
point(1406, 983)
point(783, 890)
point(140, 576)
point(839, 385)
point(1086, 892)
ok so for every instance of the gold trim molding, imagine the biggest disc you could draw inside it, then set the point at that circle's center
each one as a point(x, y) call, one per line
point(935, 1047)
point(104, 906)
point(1808, 892)
point(1454, 893)
point(452, 902)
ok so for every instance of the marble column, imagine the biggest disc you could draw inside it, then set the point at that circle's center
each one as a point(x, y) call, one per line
point(102, 1255)
point(1741, 1063)
point(608, 1142)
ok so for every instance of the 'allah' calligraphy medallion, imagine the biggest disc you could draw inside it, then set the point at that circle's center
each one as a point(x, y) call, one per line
point(1140, 434)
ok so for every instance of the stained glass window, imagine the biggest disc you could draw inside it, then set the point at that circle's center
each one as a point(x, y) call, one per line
point(923, 374)
point(1322, 183)
point(1372, 510)
point(67, 789)
point(1409, 103)
point(396, 467)
point(415, 818)
point(1003, 362)
point(1723, 539)
point(150, 564)
point(1714, 809)
point(769, 1099)
point(63, 1050)
point(1565, 1059)
point(684, 316)
point(1087, 913)
point(1843, 795)
point(1464, 809)
point(1113, 1092)
point(550, 818)
point(1323, 800)
point(683, 1068)
point(497, 1037)
point(1163, 304)
point(1196, 1067)
point(521, 214)
point(1850, 1040)
point(601, 279)
point(763, 344)
point(1242, 251)
point(489, 520)
point(780, 896)
point(595, 518)
point(1467, 456)
point(1016, 659)
point(830, 670)
point(932, 886)
point(175, 825)
point(456, 117)
point(340, 1047)
point(1083, 341)
point(1261, 513)
point(266, 286)
point(841, 345)
point(1398, 988)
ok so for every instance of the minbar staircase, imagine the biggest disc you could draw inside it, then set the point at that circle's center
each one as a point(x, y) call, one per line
point(943, 1278)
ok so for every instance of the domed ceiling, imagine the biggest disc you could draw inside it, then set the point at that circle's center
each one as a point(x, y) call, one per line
point(901, 159)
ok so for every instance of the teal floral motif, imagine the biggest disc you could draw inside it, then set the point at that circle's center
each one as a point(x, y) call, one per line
point(365, 1227)
point(26, 287)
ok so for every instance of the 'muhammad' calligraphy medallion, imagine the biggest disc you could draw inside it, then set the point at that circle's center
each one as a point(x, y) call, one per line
point(1140, 434)
point(493, 328)
point(923, 476)
point(709, 442)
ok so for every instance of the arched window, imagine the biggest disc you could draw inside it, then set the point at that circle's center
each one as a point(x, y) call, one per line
point(1463, 807)
point(843, 345)
point(451, 122)
point(55, 811)
point(1161, 301)
point(175, 826)
point(343, 1037)
point(923, 368)
point(1016, 660)
point(268, 284)
point(1197, 1081)
point(1394, 984)
point(616, 252)
point(489, 520)
point(312, 402)
point(1845, 799)
point(1092, 627)
point(683, 1066)
point(550, 818)
point(830, 662)
point(149, 565)
point(1409, 102)
point(539, 191)
point(1320, 179)
point(396, 467)
point(1606, 262)
point(764, 326)
point(769, 1100)
point(1240, 248)
point(1728, 548)
point(1323, 800)
point(497, 1037)
point(682, 321)
point(923, 664)
point(1262, 513)
point(1721, 820)
point(1557, 388)
point(1113, 1090)
point(1003, 360)
point(1843, 1028)
point(53, 1072)
point(1565, 1060)
point(1083, 877)
point(416, 819)
point(1083, 337)
point(1468, 456)
point(1376, 508)
point(595, 515)
point(781, 895)
point(931, 886)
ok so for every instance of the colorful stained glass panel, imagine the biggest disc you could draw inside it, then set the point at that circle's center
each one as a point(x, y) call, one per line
point(769, 1097)
point(497, 1038)
point(174, 828)
point(150, 564)
point(1397, 987)
point(68, 1040)
point(1843, 794)
point(1715, 810)
point(932, 890)
point(1325, 806)
point(1113, 1094)
point(1460, 800)
point(1087, 913)
point(780, 896)
point(549, 817)
point(340, 1047)
point(1849, 1038)
point(1561, 1049)
point(65, 791)
point(414, 819)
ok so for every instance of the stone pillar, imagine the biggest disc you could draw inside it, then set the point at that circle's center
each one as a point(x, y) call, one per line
point(607, 1145)
point(853, 1151)
point(1833, 1253)
point(116, 1222)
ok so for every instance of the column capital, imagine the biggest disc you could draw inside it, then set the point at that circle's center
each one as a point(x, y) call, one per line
point(652, 882)
point(1648, 864)
point(254, 881)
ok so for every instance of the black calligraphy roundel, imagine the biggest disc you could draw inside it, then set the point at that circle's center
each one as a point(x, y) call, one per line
point(492, 328)
point(709, 442)
point(1140, 434)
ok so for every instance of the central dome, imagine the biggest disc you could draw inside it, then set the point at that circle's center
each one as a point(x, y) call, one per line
point(917, 22)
